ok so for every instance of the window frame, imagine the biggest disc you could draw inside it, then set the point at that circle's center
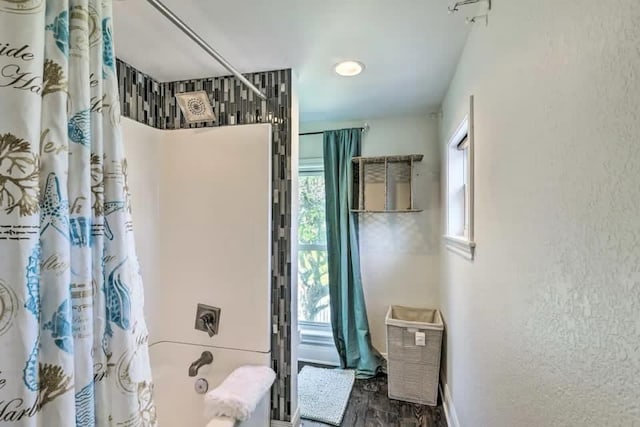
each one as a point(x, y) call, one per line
point(464, 244)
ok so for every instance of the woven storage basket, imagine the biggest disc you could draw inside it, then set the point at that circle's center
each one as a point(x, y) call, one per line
point(413, 370)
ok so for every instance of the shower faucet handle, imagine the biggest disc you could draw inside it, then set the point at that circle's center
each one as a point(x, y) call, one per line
point(207, 319)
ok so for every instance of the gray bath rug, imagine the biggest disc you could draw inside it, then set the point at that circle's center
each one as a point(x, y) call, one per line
point(323, 394)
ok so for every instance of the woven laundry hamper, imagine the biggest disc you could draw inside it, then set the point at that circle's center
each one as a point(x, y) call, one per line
point(413, 363)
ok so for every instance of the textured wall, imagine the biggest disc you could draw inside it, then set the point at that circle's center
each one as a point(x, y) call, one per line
point(544, 325)
point(153, 103)
point(400, 253)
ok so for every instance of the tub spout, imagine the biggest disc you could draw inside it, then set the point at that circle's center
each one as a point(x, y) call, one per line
point(206, 358)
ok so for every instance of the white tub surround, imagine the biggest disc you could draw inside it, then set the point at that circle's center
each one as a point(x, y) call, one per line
point(176, 400)
point(208, 218)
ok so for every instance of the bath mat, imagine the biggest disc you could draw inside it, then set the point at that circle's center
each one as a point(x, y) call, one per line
point(323, 394)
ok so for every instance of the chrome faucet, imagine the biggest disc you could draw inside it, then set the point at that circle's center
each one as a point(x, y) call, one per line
point(206, 358)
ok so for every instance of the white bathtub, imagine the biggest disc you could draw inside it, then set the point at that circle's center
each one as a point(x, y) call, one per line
point(177, 403)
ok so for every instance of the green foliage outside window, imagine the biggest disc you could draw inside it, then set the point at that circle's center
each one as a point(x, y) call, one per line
point(313, 274)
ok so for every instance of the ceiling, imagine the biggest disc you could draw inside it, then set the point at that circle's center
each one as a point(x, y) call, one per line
point(410, 48)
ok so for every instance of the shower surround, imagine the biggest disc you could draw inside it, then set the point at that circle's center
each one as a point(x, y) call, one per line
point(153, 103)
point(204, 238)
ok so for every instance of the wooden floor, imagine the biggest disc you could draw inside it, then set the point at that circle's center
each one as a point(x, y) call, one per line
point(369, 406)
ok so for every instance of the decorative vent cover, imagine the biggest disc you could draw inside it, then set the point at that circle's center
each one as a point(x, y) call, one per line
point(196, 107)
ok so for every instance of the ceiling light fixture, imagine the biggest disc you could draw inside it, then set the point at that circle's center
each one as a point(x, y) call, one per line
point(349, 68)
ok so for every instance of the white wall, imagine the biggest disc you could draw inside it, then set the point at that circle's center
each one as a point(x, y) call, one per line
point(142, 147)
point(399, 253)
point(544, 325)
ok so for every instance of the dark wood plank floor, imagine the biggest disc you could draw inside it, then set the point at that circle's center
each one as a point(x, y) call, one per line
point(370, 406)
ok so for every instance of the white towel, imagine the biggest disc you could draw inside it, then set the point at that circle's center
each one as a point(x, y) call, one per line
point(240, 393)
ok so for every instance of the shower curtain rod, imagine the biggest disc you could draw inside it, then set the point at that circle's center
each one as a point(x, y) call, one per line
point(167, 13)
point(363, 129)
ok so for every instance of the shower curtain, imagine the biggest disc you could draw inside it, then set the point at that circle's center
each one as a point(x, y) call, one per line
point(73, 341)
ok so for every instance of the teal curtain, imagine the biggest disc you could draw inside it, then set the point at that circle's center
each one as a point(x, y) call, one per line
point(348, 312)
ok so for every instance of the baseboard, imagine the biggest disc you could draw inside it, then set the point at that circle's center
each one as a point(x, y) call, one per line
point(295, 421)
point(323, 354)
point(317, 362)
point(449, 409)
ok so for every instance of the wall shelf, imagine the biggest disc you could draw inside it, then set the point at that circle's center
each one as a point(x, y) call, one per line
point(384, 184)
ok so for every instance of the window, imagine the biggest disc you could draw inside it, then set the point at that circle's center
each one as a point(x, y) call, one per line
point(313, 272)
point(314, 319)
point(459, 219)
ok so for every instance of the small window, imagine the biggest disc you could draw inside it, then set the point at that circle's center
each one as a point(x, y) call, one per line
point(459, 219)
point(458, 183)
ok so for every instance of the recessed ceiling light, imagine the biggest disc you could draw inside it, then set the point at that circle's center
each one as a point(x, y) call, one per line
point(349, 68)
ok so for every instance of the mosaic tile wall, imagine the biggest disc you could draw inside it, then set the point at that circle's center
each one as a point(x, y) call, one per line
point(140, 95)
point(147, 101)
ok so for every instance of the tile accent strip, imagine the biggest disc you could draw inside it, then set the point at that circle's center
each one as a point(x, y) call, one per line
point(140, 95)
point(153, 103)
